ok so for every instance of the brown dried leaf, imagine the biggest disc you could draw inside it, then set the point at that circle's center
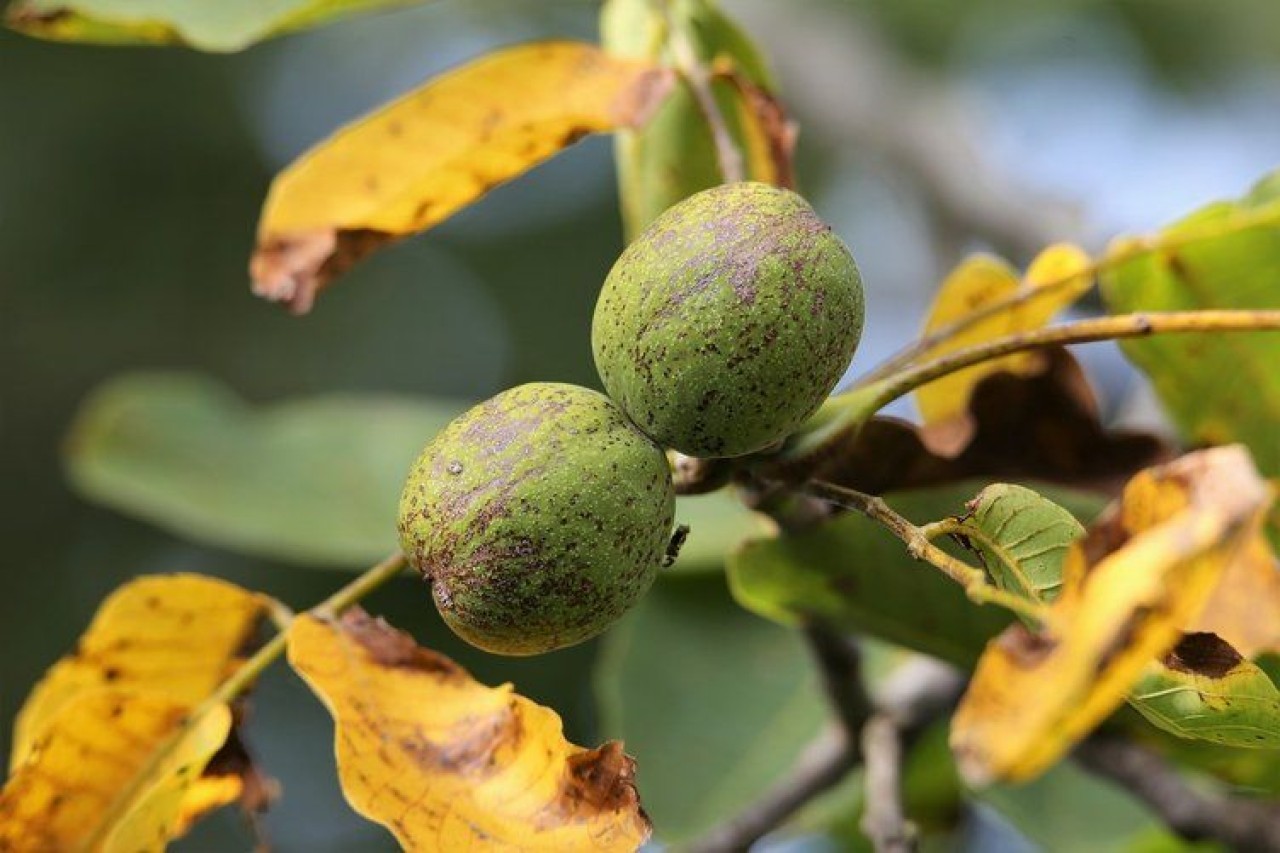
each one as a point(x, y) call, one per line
point(1043, 427)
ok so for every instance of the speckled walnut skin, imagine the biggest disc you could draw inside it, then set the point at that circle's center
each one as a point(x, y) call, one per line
point(539, 517)
point(727, 322)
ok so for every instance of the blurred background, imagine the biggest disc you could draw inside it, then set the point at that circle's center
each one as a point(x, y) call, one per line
point(130, 182)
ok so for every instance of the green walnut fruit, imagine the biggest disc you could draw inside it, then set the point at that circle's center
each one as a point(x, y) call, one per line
point(539, 517)
point(725, 324)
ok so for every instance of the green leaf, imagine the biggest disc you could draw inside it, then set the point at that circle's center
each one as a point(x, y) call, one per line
point(1218, 387)
point(314, 481)
point(718, 523)
point(1205, 690)
point(1022, 539)
point(715, 703)
point(853, 574)
point(1254, 770)
point(224, 25)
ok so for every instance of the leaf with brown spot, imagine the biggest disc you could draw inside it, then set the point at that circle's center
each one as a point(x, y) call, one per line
point(180, 635)
point(977, 286)
point(1142, 572)
point(421, 158)
point(1204, 689)
point(446, 763)
point(1043, 427)
point(157, 648)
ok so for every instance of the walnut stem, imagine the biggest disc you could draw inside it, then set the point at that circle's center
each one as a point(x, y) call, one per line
point(843, 415)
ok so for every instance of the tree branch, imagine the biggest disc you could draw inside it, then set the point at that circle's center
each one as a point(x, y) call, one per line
point(1239, 223)
point(843, 415)
point(821, 766)
point(1111, 328)
point(840, 666)
point(884, 821)
point(972, 579)
point(697, 75)
point(918, 692)
point(1239, 823)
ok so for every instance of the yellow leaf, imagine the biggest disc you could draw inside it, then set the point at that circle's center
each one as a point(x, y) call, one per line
point(418, 160)
point(1245, 608)
point(109, 772)
point(978, 285)
point(157, 647)
point(179, 635)
point(1142, 573)
point(446, 763)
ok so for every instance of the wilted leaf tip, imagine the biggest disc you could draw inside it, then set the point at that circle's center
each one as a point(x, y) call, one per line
point(603, 778)
point(637, 103)
point(292, 268)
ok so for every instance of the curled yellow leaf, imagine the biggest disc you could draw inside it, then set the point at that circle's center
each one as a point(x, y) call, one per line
point(1245, 608)
point(987, 285)
point(180, 635)
point(418, 160)
point(1129, 587)
point(446, 763)
point(111, 747)
point(111, 772)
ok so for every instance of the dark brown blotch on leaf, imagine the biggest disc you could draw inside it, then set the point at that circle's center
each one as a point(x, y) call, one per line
point(1203, 654)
